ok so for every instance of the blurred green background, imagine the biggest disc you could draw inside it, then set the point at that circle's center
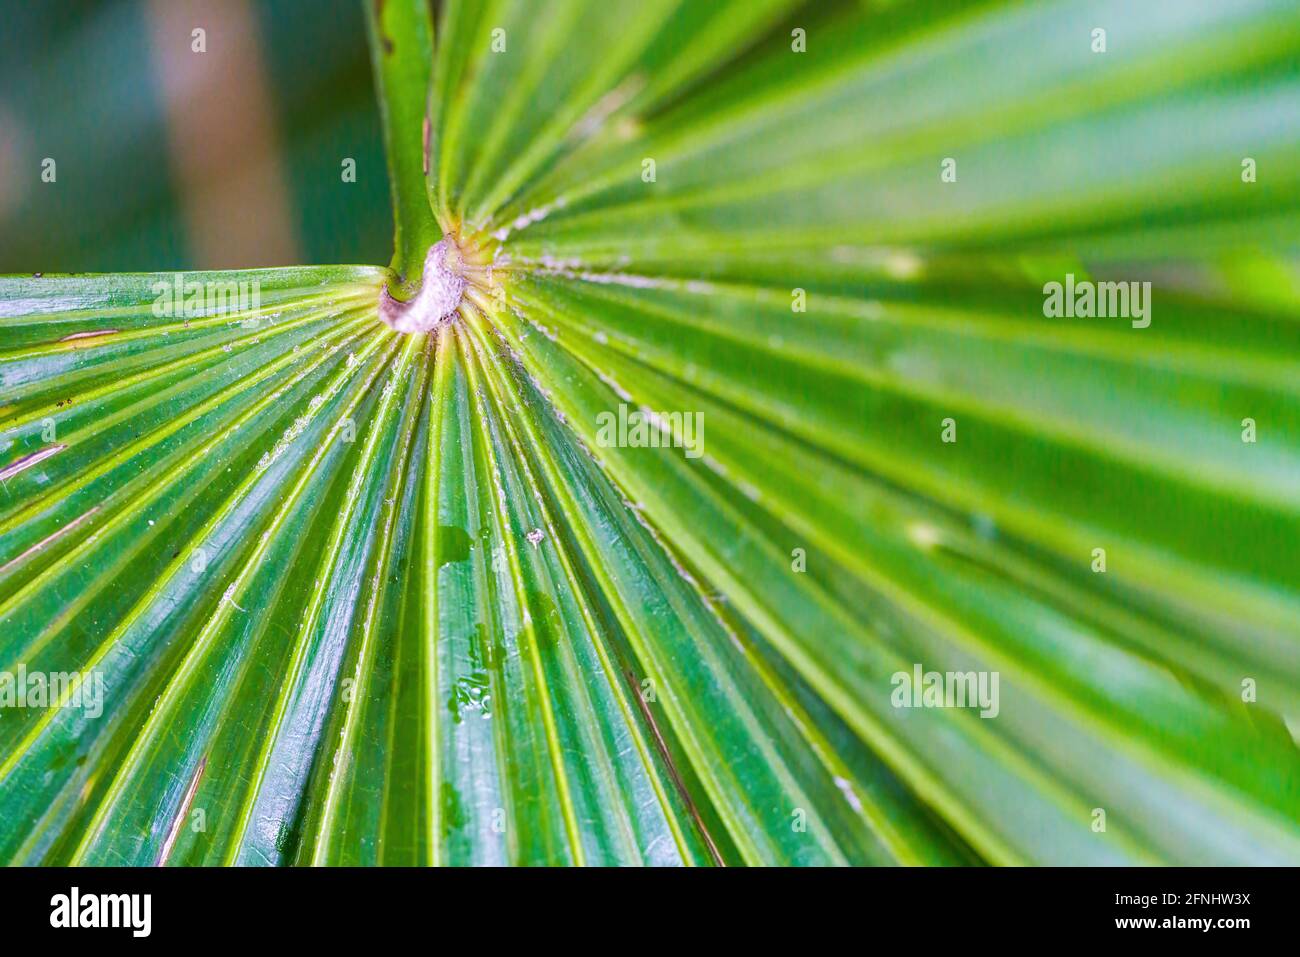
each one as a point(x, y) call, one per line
point(171, 159)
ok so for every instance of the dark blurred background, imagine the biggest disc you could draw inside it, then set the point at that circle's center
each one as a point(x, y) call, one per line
point(168, 158)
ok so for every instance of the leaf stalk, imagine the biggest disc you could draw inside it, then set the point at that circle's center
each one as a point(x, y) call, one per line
point(401, 49)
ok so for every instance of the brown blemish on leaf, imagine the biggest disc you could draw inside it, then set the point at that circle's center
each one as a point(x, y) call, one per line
point(174, 831)
point(425, 137)
point(14, 562)
point(662, 745)
point(88, 335)
point(27, 461)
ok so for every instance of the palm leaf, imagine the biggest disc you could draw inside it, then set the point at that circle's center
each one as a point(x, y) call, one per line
point(364, 597)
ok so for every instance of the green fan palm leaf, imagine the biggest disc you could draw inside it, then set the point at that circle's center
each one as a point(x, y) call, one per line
point(363, 597)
